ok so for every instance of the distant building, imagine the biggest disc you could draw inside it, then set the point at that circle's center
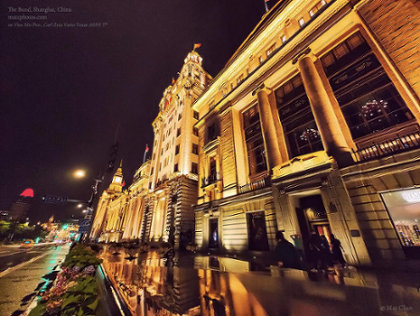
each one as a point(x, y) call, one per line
point(19, 210)
point(4, 215)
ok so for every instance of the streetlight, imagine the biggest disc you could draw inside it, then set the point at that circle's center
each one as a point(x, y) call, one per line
point(79, 173)
point(79, 205)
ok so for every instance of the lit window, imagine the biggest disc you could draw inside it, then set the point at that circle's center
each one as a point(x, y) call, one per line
point(254, 141)
point(323, 2)
point(367, 97)
point(299, 125)
point(311, 12)
point(301, 22)
point(284, 39)
point(270, 50)
point(261, 59)
point(240, 79)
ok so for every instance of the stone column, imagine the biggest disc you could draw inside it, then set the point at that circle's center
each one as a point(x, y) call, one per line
point(323, 111)
point(268, 127)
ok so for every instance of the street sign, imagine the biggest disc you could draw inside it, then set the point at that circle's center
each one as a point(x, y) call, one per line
point(54, 199)
point(84, 225)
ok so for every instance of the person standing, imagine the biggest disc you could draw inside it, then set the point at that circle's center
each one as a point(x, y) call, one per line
point(286, 254)
point(325, 253)
point(337, 255)
point(314, 251)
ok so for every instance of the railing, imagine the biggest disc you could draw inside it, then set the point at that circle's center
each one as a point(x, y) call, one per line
point(259, 184)
point(213, 178)
point(387, 148)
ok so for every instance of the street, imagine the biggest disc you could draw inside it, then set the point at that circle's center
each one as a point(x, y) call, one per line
point(21, 272)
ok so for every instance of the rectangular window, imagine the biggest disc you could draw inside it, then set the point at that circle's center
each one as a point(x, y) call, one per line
point(254, 141)
point(178, 132)
point(212, 132)
point(179, 116)
point(176, 149)
point(176, 168)
point(257, 231)
point(195, 131)
point(367, 97)
point(194, 168)
point(213, 171)
point(196, 115)
point(195, 149)
point(295, 113)
point(260, 59)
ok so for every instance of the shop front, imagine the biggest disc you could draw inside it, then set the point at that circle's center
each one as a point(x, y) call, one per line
point(403, 207)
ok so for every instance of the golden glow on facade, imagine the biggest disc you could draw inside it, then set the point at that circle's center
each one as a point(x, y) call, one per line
point(314, 117)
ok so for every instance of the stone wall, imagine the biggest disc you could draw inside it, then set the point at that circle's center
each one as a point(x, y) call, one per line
point(396, 25)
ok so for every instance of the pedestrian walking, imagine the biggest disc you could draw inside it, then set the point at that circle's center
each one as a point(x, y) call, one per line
point(286, 253)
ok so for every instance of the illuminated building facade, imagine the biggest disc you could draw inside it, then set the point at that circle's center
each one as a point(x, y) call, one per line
point(169, 214)
point(313, 127)
point(137, 201)
point(120, 212)
point(108, 223)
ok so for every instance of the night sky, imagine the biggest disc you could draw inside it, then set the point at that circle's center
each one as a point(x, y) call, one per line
point(64, 90)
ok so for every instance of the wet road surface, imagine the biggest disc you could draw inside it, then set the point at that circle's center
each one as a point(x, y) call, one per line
point(203, 285)
point(22, 272)
point(11, 256)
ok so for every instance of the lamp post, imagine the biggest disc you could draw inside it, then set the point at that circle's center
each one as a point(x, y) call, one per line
point(86, 224)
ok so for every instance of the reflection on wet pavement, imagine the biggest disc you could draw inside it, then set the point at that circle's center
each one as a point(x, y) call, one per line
point(202, 285)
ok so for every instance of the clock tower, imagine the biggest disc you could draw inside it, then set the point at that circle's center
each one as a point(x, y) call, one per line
point(117, 181)
point(174, 164)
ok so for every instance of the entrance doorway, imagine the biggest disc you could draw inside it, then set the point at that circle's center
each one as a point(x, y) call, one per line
point(213, 233)
point(312, 218)
point(257, 231)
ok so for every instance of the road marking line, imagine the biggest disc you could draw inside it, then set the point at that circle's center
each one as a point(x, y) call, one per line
point(7, 271)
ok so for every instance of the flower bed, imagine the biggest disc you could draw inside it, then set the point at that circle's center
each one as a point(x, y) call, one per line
point(74, 291)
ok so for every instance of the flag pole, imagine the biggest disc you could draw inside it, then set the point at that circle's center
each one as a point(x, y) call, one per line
point(145, 153)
